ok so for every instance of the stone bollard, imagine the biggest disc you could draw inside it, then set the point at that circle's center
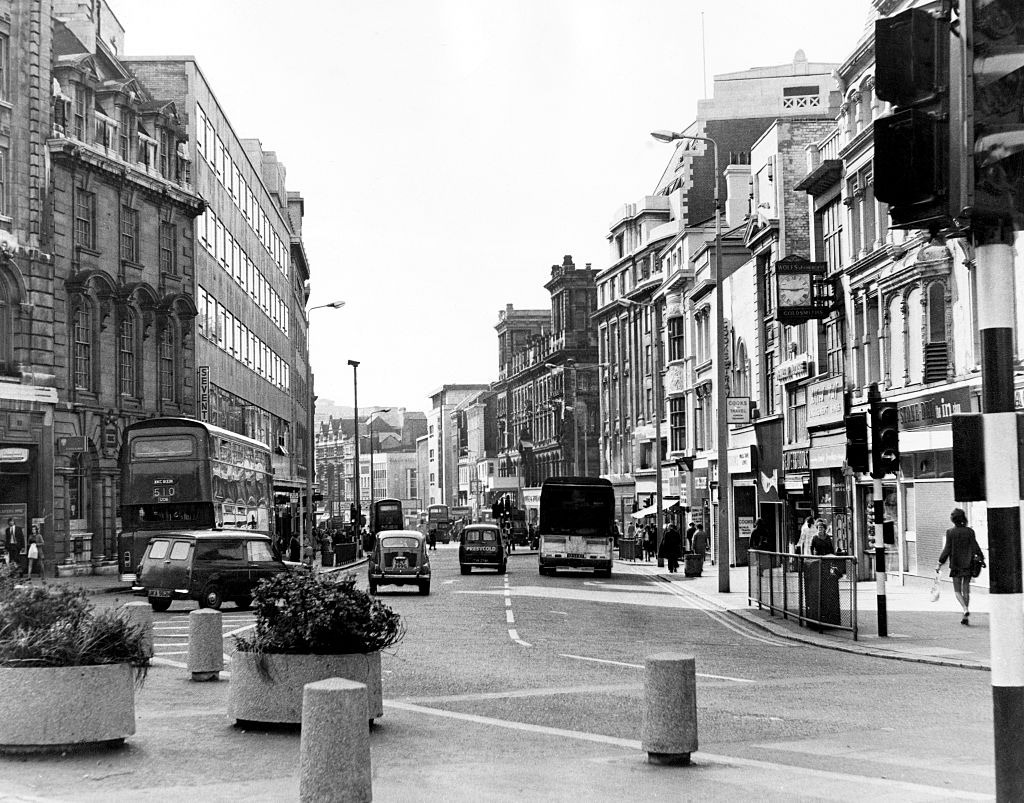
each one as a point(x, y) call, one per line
point(140, 614)
point(334, 749)
point(669, 732)
point(205, 644)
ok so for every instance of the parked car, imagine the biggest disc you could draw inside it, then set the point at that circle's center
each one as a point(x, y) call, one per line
point(483, 546)
point(208, 566)
point(399, 558)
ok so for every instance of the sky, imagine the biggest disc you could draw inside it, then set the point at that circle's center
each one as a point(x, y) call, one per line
point(451, 151)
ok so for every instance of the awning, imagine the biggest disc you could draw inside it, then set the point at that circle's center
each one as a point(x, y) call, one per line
point(650, 510)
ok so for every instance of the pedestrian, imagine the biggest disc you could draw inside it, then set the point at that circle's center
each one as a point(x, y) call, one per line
point(807, 533)
point(648, 541)
point(34, 553)
point(615, 535)
point(432, 540)
point(759, 537)
point(672, 547)
point(699, 542)
point(689, 537)
point(822, 544)
point(14, 543)
point(295, 549)
point(962, 550)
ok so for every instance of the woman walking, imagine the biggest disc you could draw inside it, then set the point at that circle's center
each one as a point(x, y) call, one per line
point(35, 553)
point(961, 550)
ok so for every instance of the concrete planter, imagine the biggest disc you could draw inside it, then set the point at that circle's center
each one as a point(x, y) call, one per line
point(273, 692)
point(44, 709)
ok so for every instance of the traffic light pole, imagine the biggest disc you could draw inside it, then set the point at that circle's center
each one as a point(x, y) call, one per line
point(994, 252)
point(878, 503)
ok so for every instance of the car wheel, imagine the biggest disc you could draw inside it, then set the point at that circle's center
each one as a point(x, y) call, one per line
point(159, 604)
point(211, 598)
point(425, 588)
point(243, 603)
point(465, 569)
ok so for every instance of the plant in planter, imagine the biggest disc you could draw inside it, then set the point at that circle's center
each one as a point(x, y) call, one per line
point(68, 672)
point(309, 627)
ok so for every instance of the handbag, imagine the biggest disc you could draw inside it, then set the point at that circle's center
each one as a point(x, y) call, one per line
point(33, 551)
point(934, 594)
point(977, 564)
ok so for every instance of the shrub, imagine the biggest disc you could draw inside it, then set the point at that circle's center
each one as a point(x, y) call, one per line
point(56, 626)
point(305, 613)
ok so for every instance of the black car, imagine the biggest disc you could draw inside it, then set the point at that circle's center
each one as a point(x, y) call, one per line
point(483, 546)
point(207, 566)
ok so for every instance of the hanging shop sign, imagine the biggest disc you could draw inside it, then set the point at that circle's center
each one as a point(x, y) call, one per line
point(737, 410)
point(203, 372)
point(802, 290)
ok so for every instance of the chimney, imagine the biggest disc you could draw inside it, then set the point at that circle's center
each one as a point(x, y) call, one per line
point(737, 194)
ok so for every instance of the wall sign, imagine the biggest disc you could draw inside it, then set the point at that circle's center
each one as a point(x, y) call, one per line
point(936, 408)
point(203, 372)
point(791, 370)
point(13, 454)
point(826, 402)
point(741, 460)
point(737, 410)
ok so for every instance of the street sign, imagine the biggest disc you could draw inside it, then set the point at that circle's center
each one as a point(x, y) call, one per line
point(72, 444)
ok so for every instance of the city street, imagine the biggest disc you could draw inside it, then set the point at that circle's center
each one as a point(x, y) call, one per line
point(525, 687)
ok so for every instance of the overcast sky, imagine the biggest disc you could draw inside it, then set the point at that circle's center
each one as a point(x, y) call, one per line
point(451, 151)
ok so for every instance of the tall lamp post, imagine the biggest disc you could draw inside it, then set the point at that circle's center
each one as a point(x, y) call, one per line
point(370, 428)
point(722, 430)
point(355, 432)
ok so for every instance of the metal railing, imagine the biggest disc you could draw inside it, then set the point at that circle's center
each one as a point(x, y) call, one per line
point(814, 590)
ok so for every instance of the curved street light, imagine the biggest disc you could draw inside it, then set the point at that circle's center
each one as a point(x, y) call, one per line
point(722, 530)
point(332, 305)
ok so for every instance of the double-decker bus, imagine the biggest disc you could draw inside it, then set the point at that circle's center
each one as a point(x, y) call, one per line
point(577, 517)
point(440, 521)
point(387, 515)
point(182, 473)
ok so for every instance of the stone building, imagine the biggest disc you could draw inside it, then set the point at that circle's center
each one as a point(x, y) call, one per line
point(122, 208)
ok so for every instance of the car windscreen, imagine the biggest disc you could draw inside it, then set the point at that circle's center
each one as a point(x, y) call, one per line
point(399, 543)
point(577, 510)
point(481, 536)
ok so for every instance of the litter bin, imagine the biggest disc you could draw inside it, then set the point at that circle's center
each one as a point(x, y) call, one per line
point(627, 549)
point(327, 557)
point(693, 564)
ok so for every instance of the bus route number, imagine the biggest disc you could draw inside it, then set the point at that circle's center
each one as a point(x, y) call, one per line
point(163, 489)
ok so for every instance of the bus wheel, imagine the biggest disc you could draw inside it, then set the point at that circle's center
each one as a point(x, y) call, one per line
point(212, 598)
point(425, 588)
point(159, 604)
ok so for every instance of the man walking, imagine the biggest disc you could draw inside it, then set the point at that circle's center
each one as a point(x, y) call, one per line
point(15, 544)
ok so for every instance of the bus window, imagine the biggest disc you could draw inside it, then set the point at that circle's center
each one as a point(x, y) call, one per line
point(167, 446)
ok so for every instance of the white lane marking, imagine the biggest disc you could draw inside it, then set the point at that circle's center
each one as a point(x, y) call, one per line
point(559, 613)
point(509, 617)
point(448, 582)
point(861, 781)
point(641, 666)
point(238, 630)
point(514, 635)
point(508, 602)
point(722, 617)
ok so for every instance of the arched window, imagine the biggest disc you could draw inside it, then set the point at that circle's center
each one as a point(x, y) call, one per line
point(741, 372)
point(126, 354)
point(6, 330)
point(897, 351)
point(82, 357)
point(168, 374)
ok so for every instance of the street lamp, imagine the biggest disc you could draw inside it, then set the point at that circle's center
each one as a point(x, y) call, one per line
point(722, 430)
point(658, 391)
point(332, 305)
point(370, 428)
point(355, 431)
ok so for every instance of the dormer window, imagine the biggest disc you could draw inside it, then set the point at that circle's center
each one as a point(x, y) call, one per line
point(166, 152)
point(124, 132)
point(80, 116)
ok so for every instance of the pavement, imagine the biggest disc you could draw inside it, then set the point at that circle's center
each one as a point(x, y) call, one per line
point(918, 630)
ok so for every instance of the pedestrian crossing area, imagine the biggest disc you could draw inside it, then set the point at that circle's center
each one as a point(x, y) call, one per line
point(170, 632)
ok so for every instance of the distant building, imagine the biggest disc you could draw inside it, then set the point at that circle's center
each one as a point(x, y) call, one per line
point(442, 443)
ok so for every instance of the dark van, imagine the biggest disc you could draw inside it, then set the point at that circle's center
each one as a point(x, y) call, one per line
point(482, 545)
point(209, 567)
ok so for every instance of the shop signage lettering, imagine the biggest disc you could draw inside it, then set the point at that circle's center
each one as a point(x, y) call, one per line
point(738, 410)
point(794, 369)
point(740, 460)
point(13, 455)
point(935, 409)
point(826, 403)
point(204, 392)
point(796, 460)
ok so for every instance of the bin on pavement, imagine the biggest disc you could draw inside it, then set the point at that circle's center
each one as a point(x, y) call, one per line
point(693, 565)
point(627, 549)
point(327, 557)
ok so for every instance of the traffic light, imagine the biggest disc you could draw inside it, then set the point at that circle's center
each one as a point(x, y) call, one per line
point(885, 439)
point(912, 145)
point(995, 83)
point(857, 441)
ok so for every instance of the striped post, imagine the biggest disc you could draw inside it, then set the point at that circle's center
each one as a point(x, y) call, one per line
point(878, 506)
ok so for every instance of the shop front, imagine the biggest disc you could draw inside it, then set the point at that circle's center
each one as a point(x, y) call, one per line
point(797, 488)
point(744, 500)
point(826, 458)
point(768, 471)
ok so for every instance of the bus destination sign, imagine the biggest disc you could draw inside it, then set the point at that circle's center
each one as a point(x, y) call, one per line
point(163, 489)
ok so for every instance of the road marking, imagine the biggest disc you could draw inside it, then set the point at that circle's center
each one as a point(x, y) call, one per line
point(514, 635)
point(698, 758)
point(559, 613)
point(510, 618)
point(641, 666)
point(547, 691)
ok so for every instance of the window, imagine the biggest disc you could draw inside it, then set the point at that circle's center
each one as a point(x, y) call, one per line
point(769, 383)
point(129, 234)
point(677, 424)
point(168, 240)
point(701, 416)
point(4, 181)
point(5, 68)
point(796, 424)
point(834, 347)
point(831, 222)
point(676, 339)
point(83, 348)
point(85, 218)
point(167, 378)
point(167, 152)
point(81, 108)
point(125, 131)
point(126, 354)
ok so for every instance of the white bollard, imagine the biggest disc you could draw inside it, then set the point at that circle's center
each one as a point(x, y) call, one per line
point(334, 749)
point(205, 644)
point(140, 614)
point(669, 732)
